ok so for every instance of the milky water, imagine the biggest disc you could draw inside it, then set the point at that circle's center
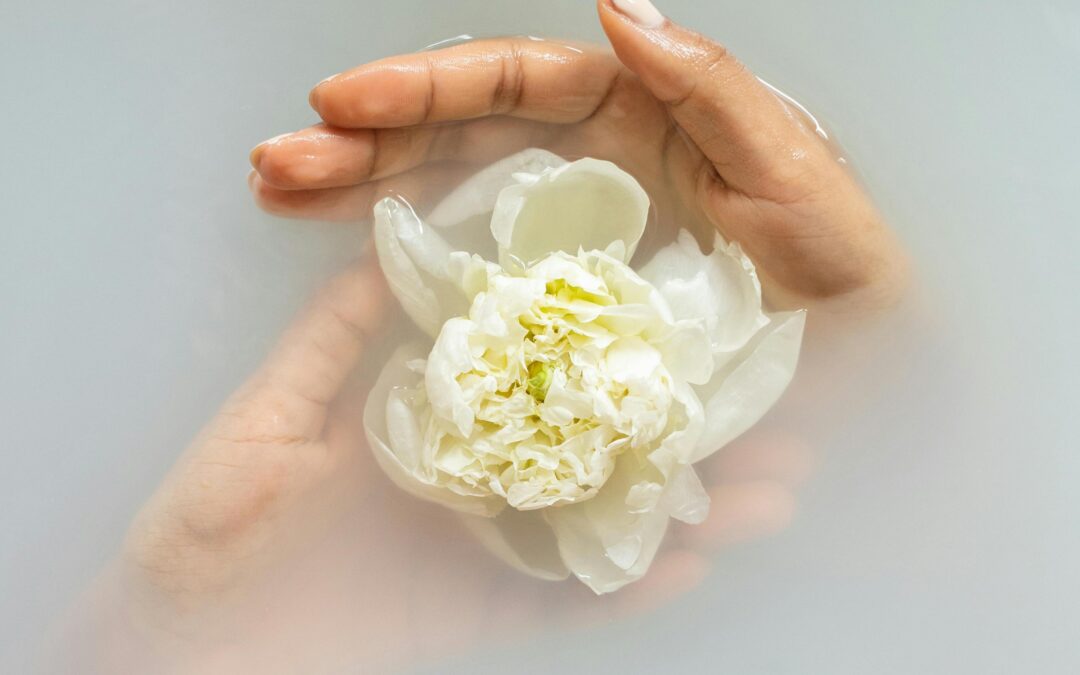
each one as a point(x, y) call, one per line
point(937, 529)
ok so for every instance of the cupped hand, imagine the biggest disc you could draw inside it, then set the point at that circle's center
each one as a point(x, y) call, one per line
point(280, 479)
point(276, 545)
point(713, 145)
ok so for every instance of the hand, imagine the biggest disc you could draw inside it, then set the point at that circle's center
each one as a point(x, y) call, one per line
point(277, 504)
point(713, 146)
point(276, 545)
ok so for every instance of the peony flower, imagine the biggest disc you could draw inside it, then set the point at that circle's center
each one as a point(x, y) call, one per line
point(563, 397)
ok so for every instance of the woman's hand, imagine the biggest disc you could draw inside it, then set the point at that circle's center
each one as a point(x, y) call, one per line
point(275, 544)
point(284, 460)
point(712, 144)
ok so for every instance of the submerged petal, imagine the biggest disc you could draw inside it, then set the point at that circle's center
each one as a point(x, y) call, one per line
point(587, 204)
point(393, 433)
point(721, 289)
point(685, 497)
point(740, 393)
point(476, 196)
point(521, 539)
point(416, 262)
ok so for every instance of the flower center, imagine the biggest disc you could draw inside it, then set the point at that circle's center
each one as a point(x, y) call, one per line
point(550, 396)
point(539, 380)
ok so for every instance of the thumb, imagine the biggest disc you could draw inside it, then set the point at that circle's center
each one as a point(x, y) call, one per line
point(292, 390)
point(745, 131)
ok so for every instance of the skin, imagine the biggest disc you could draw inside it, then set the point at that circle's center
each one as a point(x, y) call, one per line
point(277, 503)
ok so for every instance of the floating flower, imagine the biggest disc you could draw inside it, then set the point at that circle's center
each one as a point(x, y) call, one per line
point(566, 396)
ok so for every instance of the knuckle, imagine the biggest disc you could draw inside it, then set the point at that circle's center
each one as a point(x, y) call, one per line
point(510, 85)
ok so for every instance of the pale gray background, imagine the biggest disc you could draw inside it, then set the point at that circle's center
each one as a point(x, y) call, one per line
point(138, 284)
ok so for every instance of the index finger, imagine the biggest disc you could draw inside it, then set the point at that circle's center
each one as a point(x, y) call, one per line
point(523, 77)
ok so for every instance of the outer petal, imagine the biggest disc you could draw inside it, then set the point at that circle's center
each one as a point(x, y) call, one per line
point(416, 262)
point(394, 435)
point(604, 542)
point(685, 497)
point(521, 539)
point(464, 215)
point(721, 289)
point(741, 392)
point(427, 264)
point(587, 204)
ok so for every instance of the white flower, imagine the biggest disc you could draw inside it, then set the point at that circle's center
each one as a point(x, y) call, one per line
point(566, 396)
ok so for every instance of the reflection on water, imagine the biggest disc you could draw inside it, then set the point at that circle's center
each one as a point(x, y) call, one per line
point(908, 505)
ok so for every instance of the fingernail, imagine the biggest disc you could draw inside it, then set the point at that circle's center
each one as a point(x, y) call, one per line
point(256, 154)
point(642, 12)
point(313, 97)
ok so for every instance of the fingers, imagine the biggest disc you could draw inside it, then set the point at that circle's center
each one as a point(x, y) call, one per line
point(355, 203)
point(674, 573)
point(762, 455)
point(532, 79)
point(743, 129)
point(289, 395)
point(327, 157)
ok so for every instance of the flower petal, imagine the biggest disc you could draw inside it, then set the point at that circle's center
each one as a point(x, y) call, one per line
point(417, 263)
point(521, 539)
point(721, 289)
point(603, 541)
point(741, 392)
point(684, 496)
point(464, 215)
point(587, 204)
point(393, 433)
point(687, 353)
point(451, 356)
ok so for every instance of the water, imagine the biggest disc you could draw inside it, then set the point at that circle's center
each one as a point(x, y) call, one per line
point(937, 530)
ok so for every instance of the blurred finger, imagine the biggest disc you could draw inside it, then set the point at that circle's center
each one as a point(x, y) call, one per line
point(742, 512)
point(671, 575)
point(523, 77)
point(763, 455)
point(355, 202)
point(309, 365)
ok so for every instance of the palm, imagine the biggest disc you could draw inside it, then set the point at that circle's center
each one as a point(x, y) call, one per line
point(259, 512)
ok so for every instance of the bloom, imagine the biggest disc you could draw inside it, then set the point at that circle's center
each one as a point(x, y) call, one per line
point(566, 396)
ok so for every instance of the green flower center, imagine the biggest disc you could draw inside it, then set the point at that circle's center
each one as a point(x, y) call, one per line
point(539, 380)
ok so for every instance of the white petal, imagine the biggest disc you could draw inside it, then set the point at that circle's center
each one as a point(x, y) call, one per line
point(741, 392)
point(631, 359)
point(687, 353)
point(521, 539)
point(416, 262)
point(721, 289)
point(465, 213)
point(398, 453)
point(451, 356)
point(587, 204)
point(601, 540)
point(684, 496)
